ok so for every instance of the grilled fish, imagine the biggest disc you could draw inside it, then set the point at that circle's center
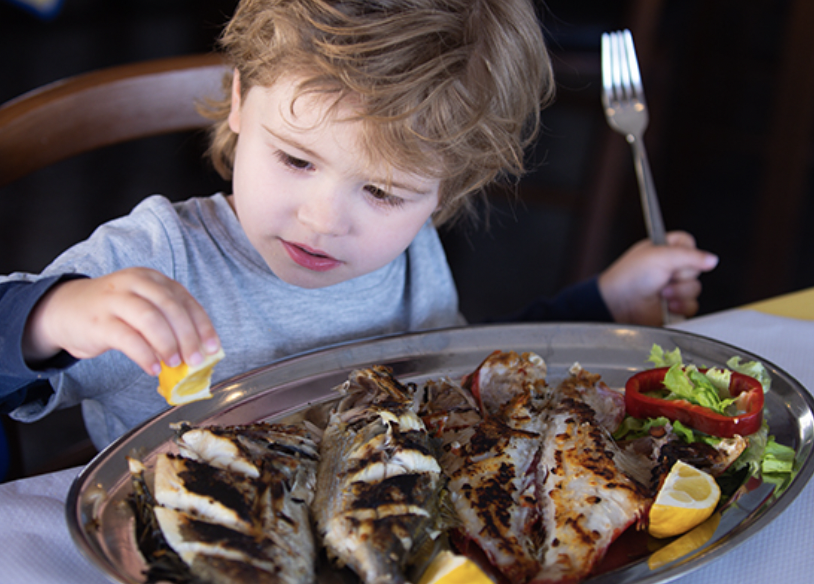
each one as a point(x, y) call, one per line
point(585, 500)
point(493, 491)
point(492, 484)
point(537, 489)
point(235, 504)
point(379, 484)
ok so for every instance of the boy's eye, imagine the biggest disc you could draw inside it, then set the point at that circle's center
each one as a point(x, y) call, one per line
point(293, 161)
point(383, 196)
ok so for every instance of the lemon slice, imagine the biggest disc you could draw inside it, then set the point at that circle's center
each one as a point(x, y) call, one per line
point(184, 383)
point(686, 499)
point(450, 568)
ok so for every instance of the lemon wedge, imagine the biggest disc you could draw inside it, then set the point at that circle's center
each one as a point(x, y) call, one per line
point(450, 568)
point(686, 499)
point(688, 543)
point(186, 383)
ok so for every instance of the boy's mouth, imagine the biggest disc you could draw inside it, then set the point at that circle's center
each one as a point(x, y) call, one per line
point(309, 258)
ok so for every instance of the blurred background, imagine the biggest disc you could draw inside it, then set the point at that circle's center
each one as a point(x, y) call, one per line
point(730, 85)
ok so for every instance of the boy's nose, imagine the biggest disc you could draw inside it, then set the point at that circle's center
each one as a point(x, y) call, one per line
point(325, 213)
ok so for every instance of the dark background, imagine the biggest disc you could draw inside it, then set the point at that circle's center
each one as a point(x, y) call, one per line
point(729, 85)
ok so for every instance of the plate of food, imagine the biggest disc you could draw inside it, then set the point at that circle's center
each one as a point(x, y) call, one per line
point(525, 453)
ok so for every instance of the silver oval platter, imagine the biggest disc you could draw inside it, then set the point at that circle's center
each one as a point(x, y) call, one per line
point(102, 524)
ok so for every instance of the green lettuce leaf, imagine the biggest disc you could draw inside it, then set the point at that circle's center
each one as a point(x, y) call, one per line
point(636, 427)
point(689, 435)
point(689, 384)
point(752, 369)
point(777, 458)
point(659, 358)
point(765, 457)
point(762, 457)
point(686, 433)
point(753, 455)
point(720, 378)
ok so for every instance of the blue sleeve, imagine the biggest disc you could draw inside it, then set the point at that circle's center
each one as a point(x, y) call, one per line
point(578, 302)
point(17, 300)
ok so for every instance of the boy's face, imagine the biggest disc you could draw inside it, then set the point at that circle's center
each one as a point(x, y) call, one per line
point(317, 211)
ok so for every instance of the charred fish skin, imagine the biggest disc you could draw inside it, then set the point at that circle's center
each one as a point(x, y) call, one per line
point(211, 494)
point(493, 490)
point(586, 500)
point(218, 554)
point(244, 449)
point(379, 483)
point(243, 517)
point(163, 562)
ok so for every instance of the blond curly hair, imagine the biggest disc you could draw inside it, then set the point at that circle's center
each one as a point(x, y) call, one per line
point(451, 89)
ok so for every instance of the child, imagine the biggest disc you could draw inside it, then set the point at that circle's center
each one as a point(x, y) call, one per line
point(351, 129)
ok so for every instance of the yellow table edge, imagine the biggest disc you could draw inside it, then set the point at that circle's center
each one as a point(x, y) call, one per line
point(793, 305)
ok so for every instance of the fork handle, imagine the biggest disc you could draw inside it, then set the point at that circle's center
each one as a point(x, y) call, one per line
point(647, 189)
point(652, 212)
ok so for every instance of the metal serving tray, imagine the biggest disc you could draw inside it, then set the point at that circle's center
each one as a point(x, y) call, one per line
point(101, 522)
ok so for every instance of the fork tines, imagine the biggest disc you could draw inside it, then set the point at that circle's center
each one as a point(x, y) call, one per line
point(621, 79)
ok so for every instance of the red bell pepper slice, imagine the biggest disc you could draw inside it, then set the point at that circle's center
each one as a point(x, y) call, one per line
point(747, 389)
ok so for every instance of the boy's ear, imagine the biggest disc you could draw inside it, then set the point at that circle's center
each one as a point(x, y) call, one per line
point(234, 112)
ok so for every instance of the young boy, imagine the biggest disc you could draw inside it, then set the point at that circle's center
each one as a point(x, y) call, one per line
point(350, 130)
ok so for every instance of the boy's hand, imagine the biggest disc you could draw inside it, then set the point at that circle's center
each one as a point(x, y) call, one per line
point(139, 311)
point(634, 285)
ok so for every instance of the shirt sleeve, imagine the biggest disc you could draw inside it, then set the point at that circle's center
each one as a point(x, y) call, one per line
point(17, 300)
point(581, 302)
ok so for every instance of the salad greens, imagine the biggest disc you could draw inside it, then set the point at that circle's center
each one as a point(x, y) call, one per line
point(698, 388)
point(710, 389)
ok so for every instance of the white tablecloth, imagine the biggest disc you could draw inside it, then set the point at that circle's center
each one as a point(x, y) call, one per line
point(35, 546)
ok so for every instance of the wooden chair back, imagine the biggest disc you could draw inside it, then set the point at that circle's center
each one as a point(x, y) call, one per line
point(102, 108)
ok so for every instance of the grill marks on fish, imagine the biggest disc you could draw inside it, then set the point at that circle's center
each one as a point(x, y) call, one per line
point(245, 448)
point(212, 494)
point(379, 483)
point(235, 504)
point(216, 553)
point(538, 490)
point(493, 490)
point(586, 500)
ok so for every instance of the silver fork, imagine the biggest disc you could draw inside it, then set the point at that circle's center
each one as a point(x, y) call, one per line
point(626, 112)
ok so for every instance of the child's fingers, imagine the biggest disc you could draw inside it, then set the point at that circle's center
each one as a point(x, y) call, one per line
point(689, 263)
point(683, 289)
point(210, 343)
point(680, 239)
point(150, 323)
point(684, 307)
point(137, 311)
point(126, 339)
point(682, 296)
point(171, 320)
point(686, 273)
point(686, 259)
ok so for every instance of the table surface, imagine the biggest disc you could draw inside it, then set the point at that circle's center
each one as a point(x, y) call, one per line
point(798, 305)
point(35, 545)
